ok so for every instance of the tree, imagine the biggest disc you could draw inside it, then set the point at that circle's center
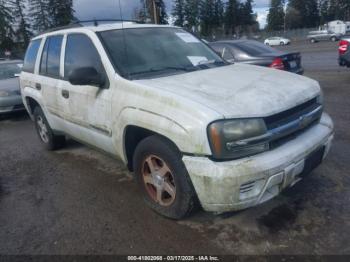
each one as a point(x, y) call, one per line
point(61, 12)
point(22, 31)
point(179, 12)
point(163, 17)
point(6, 30)
point(231, 16)
point(275, 18)
point(191, 14)
point(207, 16)
point(307, 12)
point(39, 12)
point(218, 13)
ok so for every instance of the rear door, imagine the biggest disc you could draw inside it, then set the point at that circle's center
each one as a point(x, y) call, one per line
point(49, 77)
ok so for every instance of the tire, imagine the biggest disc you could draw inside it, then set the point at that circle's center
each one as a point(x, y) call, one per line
point(267, 43)
point(313, 40)
point(48, 139)
point(333, 39)
point(169, 172)
point(282, 43)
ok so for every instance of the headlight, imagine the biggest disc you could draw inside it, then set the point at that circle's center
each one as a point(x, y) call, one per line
point(4, 93)
point(230, 139)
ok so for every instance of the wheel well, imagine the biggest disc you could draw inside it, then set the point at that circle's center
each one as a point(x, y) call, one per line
point(32, 104)
point(133, 135)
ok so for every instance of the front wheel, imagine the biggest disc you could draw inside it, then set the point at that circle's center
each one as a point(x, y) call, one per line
point(45, 133)
point(313, 40)
point(282, 43)
point(163, 178)
point(333, 39)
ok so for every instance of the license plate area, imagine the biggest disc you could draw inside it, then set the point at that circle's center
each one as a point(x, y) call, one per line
point(313, 161)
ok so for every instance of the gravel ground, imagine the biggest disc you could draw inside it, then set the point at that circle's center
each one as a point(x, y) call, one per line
point(79, 201)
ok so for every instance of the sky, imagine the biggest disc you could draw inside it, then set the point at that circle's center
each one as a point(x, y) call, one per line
point(92, 9)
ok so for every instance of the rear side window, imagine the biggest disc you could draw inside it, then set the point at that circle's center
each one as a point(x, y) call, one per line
point(81, 52)
point(254, 48)
point(50, 60)
point(30, 57)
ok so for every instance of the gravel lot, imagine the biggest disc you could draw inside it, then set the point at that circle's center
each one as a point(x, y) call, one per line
point(78, 201)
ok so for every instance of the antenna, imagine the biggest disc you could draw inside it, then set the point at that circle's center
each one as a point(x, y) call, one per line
point(124, 37)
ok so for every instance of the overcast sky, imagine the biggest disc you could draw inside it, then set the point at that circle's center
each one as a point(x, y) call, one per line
point(90, 9)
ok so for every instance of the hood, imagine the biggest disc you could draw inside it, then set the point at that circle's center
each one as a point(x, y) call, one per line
point(240, 90)
point(10, 84)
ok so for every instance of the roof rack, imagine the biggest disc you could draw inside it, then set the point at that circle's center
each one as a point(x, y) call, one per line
point(96, 22)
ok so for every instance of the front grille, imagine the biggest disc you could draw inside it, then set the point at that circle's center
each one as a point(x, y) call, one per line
point(291, 114)
point(247, 187)
point(288, 116)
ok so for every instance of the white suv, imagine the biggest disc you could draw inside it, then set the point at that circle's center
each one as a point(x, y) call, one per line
point(193, 128)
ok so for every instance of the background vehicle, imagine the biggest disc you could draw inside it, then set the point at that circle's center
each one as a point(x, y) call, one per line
point(323, 35)
point(277, 41)
point(344, 52)
point(10, 93)
point(255, 53)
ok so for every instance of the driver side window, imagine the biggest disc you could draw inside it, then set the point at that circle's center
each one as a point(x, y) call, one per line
point(81, 52)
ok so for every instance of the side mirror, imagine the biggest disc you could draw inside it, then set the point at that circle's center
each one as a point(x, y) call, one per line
point(86, 76)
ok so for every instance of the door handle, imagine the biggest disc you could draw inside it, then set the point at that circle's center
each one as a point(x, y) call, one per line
point(38, 86)
point(65, 94)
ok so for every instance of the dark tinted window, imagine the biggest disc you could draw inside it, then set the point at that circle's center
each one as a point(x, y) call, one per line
point(81, 52)
point(30, 57)
point(50, 61)
point(254, 48)
point(224, 51)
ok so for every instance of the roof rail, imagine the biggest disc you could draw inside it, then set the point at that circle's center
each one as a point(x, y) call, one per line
point(95, 22)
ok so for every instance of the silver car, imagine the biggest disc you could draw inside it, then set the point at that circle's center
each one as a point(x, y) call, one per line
point(10, 93)
point(323, 35)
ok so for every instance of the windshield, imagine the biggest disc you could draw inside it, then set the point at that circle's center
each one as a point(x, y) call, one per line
point(154, 52)
point(9, 70)
point(254, 48)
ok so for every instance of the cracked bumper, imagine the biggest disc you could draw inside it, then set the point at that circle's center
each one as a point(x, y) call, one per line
point(243, 183)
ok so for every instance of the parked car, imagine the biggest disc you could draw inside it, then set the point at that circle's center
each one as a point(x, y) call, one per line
point(323, 35)
point(344, 52)
point(255, 53)
point(10, 93)
point(192, 127)
point(277, 41)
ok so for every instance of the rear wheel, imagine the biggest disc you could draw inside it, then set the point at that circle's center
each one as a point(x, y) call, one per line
point(163, 178)
point(45, 133)
point(333, 39)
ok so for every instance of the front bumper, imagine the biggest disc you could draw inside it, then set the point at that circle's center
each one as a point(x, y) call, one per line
point(243, 183)
point(10, 104)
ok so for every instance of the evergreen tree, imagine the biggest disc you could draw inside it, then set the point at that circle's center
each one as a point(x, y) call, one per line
point(179, 12)
point(61, 12)
point(232, 16)
point(163, 17)
point(191, 14)
point(218, 13)
point(39, 12)
point(22, 31)
point(275, 18)
point(207, 16)
point(246, 13)
point(6, 30)
point(307, 13)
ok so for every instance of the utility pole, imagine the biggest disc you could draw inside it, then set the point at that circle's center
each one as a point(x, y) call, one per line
point(155, 16)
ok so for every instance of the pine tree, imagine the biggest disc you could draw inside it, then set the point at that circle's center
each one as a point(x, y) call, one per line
point(179, 12)
point(6, 30)
point(275, 18)
point(163, 17)
point(231, 16)
point(22, 31)
point(305, 12)
point(218, 13)
point(39, 12)
point(207, 17)
point(191, 14)
point(61, 12)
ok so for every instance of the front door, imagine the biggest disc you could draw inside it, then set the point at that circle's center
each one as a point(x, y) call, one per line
point(86, 108)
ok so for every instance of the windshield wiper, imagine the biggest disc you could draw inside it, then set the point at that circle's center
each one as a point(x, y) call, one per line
point(160, 69)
